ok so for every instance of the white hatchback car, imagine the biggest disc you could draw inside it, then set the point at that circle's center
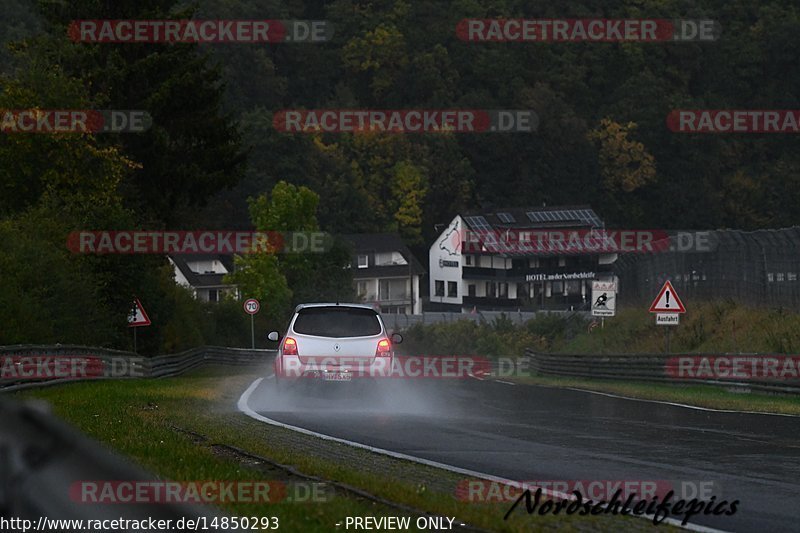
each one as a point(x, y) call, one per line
point(334, 342)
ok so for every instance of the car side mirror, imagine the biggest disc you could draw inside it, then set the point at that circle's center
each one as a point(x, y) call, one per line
point(274, 336)
point(397, 338)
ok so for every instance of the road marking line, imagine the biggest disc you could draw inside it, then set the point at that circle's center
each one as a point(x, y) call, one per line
point(687, 406)
point(506, 382)
point(243, 406)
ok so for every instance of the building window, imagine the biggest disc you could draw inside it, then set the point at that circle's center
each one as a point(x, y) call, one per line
point(383, 289)
point(572, 287)
point(502, 290)
point(779, 276)
point(452, 289)
point(491, 289)
point(213, 295)
point(468, 259)
point(361, 289)
point(439, 288)
point(770, 277)
point(791, 276)
point(393, 289)
point(471, 289)
point(522, 291)
point(363, 261)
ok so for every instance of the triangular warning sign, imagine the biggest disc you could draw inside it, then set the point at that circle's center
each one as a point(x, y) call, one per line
point(667, 301)
point(137, 315)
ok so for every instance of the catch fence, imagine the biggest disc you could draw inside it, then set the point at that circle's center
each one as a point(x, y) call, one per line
point(756, 268)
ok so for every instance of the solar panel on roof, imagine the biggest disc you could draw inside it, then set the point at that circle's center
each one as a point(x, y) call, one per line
point(478, 222)
point(561, 216)
point(507, 218)
point(589, 216)
point(586, 216)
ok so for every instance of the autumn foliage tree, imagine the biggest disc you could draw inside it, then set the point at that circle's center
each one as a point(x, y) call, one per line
point(625, 164)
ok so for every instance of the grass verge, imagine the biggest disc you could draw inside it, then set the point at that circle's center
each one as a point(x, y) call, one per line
point(708, 396)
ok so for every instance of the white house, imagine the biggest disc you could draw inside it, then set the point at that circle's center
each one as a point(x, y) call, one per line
point(203, 275)
point(385, 273)
point(473, 266)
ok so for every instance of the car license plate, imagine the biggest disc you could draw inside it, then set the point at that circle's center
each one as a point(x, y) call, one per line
point(337, 376)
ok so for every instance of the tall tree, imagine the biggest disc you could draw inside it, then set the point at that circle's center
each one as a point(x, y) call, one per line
point(193, 148)
point(290, 272)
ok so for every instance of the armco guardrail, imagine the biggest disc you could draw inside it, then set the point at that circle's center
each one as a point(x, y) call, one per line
point(24, 366)
point(666, 368)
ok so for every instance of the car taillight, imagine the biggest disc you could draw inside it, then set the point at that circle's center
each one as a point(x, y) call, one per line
point(384, 348)
point(289, 346)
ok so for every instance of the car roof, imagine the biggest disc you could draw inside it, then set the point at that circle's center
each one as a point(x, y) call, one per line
point(333, 304)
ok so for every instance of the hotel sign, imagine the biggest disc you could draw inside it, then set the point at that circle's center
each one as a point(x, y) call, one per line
point(447, 263)
point(560, 277)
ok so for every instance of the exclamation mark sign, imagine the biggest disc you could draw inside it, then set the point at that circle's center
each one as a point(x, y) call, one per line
point(667, 295)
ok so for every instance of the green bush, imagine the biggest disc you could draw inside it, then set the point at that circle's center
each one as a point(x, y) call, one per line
point(713, 327)
point(500, 337)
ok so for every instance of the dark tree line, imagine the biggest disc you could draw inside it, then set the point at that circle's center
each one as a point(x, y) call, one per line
point(602, 137)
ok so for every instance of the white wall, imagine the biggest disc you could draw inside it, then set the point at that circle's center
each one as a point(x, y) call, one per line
point(447, 247)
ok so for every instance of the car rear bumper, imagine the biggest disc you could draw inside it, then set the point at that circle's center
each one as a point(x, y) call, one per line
point(288, 367)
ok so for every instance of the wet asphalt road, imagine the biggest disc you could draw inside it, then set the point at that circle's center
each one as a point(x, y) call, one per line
point(536, 433)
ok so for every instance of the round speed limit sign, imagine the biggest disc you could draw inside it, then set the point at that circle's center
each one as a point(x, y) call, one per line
point(251, 306)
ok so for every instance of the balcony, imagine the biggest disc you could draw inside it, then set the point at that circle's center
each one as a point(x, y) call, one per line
point(513, 274)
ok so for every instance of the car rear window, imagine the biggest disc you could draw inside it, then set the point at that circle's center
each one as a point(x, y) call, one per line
point(337, 322)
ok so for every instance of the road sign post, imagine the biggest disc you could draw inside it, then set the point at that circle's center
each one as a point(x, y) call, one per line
point(137, 317)
point(668, 319)
point(668, 308)
point(251, 307)
point(604, 299)
point(667, 301)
